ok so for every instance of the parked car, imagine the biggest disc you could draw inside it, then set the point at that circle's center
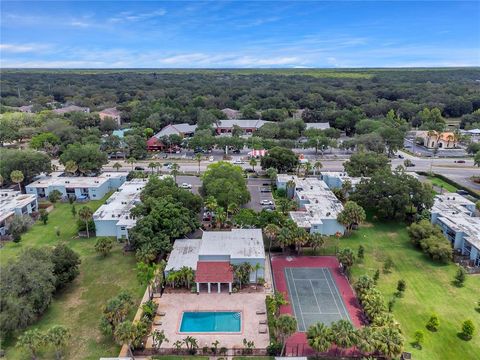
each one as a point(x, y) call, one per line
point(268, 207)
point(210, 159)
point(238, 161)
point(462, 192)
point(265, 190)
point(186, 186)
point(400, 156)
point(266, 202)
point(460, 161)
point(236, 151)
point(139, 168)
point(266, 184)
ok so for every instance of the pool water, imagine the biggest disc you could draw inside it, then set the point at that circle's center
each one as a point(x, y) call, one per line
point(210, 321)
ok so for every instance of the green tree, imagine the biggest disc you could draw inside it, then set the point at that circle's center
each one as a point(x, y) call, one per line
point(40, 141)
point(476, 159)
point(253, 163)
point(158, 338)
point(146, 274)
point(460, 277)
point(351, 215)
point(271, 231)
point(31, 163)
point(389, 341)
point(74, 211)
point(319, 337)
point(131, 161)
point(66, 264)
point(366, 164)
point(361, 253)
point(54, 196)
point(88, 157)
point(198, 159)
point(85, 214)
point(343, 334)
point(433, 323)
point(44, 216)
point(401, 287)
point(117, 166)
point(152, 165)
point(32, 341)
point(17, 177)
point(285, 326)
point(281, 159)
point(225, 182)
point(419, 338)
point(58, 337)
point(125, 334)
point(71, 167)
point(175, 170)
point(346, 258)
point(104, 245)
point(468, 329)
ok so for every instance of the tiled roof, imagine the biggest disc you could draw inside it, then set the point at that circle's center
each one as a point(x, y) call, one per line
point(214, 272)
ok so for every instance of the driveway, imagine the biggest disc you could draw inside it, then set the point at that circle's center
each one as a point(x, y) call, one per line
point(254, 186)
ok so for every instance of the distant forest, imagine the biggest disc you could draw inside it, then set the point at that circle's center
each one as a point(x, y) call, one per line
point(154, 98)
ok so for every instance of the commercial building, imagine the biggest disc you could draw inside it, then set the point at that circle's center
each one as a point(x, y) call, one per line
point(111, 113)
point(113, 218)
point(13, 203)
point(456, 217)
point(247, 126)
point(212, 256)
point(434, 139)
point(183, 130)
point(82, 187)
point(318, 207)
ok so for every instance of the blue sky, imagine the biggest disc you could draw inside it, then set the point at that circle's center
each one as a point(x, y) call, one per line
point(88, 34)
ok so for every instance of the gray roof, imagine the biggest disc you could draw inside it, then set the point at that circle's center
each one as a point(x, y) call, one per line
point(238, 243)
point(177, 129)
point(252, 123)
point(184, 253)
point(319, 126)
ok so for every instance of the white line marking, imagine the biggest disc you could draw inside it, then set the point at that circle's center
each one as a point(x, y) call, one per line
point(298, 300)
point(341, 298)
point(315, 296)
point(331, 292)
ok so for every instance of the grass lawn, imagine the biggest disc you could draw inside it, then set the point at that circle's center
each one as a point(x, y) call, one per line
point(429, 290)
point(79, 306)
point(441, 183)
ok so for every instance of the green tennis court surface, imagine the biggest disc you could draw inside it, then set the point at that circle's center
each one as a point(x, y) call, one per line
point(314, 297)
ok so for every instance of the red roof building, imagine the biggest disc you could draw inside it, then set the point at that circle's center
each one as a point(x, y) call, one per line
point(214, 272)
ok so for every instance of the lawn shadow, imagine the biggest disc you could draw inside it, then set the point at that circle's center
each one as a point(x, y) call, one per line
point(462, 336)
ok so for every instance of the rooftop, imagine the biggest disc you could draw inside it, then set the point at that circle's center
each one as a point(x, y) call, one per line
point(343, 176)
point(252, 123)
point(469, 225)
point(11, 200)
point(111, 111)
point(71, 108)
point(451, 203)
point(214, 272)
point(55, 179)
point(319, 126)
point(118, 206)
point(238, 243)
point(171, 129)
point(184, 253)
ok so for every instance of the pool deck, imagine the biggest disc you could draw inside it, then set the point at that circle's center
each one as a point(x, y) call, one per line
point(174, 304)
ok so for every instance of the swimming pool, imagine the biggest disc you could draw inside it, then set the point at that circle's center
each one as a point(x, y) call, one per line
point(211, 321)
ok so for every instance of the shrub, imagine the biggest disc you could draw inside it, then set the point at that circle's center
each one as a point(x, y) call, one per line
point(419, 337)
point(468, 329)
point(104, 245)
point(433, 323)
point(44, 216)
point(388, 265)
point(65, 265)
point(460, 277)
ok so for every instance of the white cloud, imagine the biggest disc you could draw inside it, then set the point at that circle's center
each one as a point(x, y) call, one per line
point(128, 16)
point(22, 48)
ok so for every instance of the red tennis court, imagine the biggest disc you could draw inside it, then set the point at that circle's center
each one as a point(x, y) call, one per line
point(316, 290)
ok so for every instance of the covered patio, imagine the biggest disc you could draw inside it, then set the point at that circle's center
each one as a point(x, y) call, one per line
point(214, 272)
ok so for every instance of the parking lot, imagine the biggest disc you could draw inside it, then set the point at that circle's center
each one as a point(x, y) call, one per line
point(192, 180)
point(256, 196)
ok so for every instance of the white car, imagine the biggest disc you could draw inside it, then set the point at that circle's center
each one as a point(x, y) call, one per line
point(238, 161)
point(186, 186)
point(266, 202)
point(210, 159)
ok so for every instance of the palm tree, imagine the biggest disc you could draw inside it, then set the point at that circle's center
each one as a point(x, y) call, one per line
point(152, 165)
point(31, 340)
point(319, 337)
point(344, 334)
point(191, 344)
point(317, 166)
point(17, 177)
point(284, 238)
point(71, 167)
point(290, 186)
point(300, 238)
point(159, 338)
point(308, 168)
point(85, 214)
point(257, 267)
point(232, 209)
point(117, 166)
point(253, 163)
point(58, 337)
point(146, 274)
point(271, 232)
point(366, 340)
point(389, 342)
point(220, 217)
point(285, 325)
point(131, 161)
point(175, 171)
point(316, 241)
point(198, 158)
point(125, 334)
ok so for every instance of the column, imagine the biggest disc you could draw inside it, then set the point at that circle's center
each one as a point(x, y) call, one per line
point(230, 288)
point(219, 288)
point(198, 288)
point(209, 290)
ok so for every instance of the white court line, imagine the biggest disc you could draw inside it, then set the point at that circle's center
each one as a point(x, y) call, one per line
point(298, 299)
point(291, 293)
point(338, 293)
point(331, 292)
